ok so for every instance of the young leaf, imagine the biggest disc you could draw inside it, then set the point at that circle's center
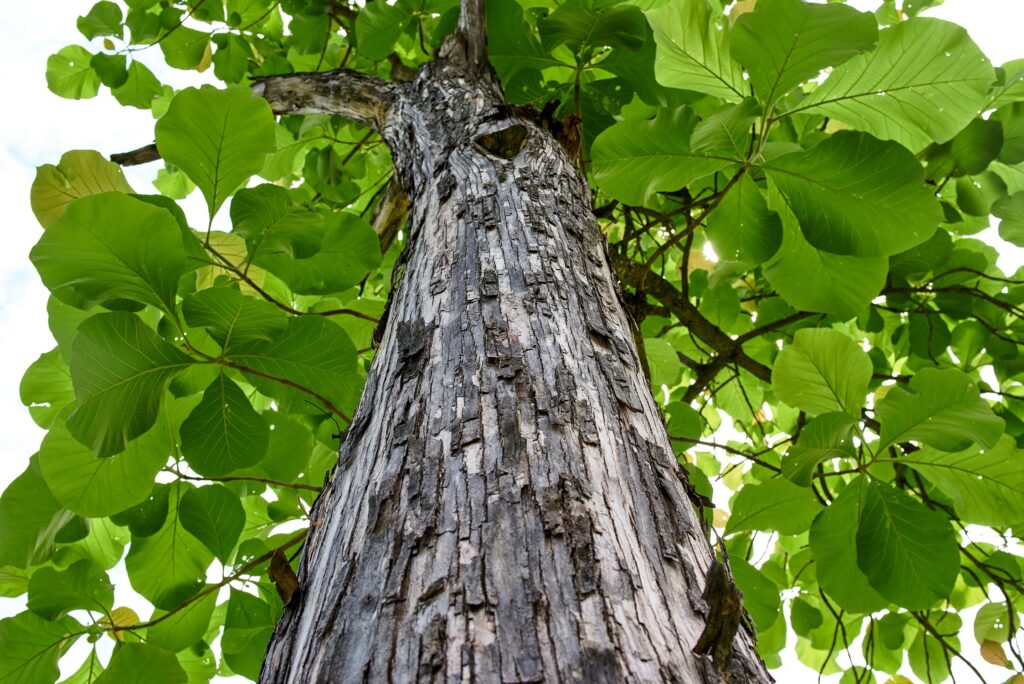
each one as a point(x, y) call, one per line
point(693, 51)
point(924, 82)
point(908, 552)
point(942, 409)
point(70, 74)
point(139, 88)
point(822, 370)
point(783, 43)
point(112, 246)
point(856, 195)
point(83, 585)
point(119, 368)
point(223, 433)
point(77, 174)
point(214, 515)
point(635, 159)
point(217, 137)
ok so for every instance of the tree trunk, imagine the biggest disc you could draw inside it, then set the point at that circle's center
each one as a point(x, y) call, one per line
point(507, 506)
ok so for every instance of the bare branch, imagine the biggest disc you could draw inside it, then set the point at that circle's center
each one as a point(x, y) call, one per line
point(142, 155)
point(360, 97)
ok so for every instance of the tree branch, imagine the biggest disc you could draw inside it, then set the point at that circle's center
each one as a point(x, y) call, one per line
point(473, 26)
point(359, 97)
point(142, 155)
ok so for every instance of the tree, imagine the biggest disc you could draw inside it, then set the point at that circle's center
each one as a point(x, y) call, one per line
point(507, 501)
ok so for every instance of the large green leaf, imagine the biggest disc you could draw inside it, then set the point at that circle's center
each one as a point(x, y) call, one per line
point(986, 485)
point(217, 137)
point(833, 544)
point(635, 159)
point(809, 279)
point(104, 19)
point(30, 519)
point(693, 50)
point(821, 371)
point(112, 246)
point(142, 664)
point(169, 566)
point(760, 594)
point(83, 585)
point(77, 174)
point(942, 409)
point(69, 74)
point(32, 646)
point(119, 368)
point(140, 88)
point(924, 82)
point(907, 551)
point(232, 318)
point(97, 487)
point(271, 223)
point(856, 195)
point(742, 228)
point(247, 629)
point(823, 438)
point(511, 44)
point(46, 387)
point(582, 27)
point(777, 505)
point(224, 432)
point(350, 251)
point(214, 515)
point(185, 627)
point(312, 352)
point(783, 43)
point(378, 26)
point(184, 48)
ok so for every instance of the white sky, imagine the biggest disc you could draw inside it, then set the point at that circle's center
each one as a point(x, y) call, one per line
point(36, 127)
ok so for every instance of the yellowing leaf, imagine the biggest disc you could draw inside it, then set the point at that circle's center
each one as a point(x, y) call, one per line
point(232, 248)
point(79, 173)
point(993, 653)
point(119, 619)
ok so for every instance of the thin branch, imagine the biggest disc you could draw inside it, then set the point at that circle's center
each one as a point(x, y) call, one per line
point(240, 478)
point(142, 155)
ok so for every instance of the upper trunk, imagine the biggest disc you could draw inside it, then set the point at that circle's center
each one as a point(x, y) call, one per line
point(507, 506)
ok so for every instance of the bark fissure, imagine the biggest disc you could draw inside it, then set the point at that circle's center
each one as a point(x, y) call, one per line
point(507, 505)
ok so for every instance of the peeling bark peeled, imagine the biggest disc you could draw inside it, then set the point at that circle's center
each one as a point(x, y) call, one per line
point(507, 505)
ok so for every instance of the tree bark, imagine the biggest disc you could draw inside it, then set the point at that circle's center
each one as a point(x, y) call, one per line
point(507, 505)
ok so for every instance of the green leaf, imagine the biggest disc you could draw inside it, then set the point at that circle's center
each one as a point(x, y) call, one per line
point(29, 519)
point(46, 387)
point(97, 487)
point(224, 433)
point(728, 131)
point(742, 228)
point(69, 73)
point(975, 147)
point(112, 69)
point(119, 368)
point(924, 82)
point(219, 138)
point(148, 517)
point(104, 19)
point(992, 623)
point(83, 585)
point(1010, 211)
point(32, 646)
point(214, 515)
point(184, 48)
point(777, 505)
point(986, 485)
point(684, 421)
point(271, 223)
point(635, 159)
point(833, 544)
point(809, 279)
point(663, 362)
point(942, 409)
point(79, 173)
point(247, 630)
point(783, 43)
point(856, 195)
point(142, 664)
point(87, 672)
point(512, 46)
point(693, 50)
point(112, 246)
point(821, 371)
point(350, 251)
point(582, 28)
point(140, 88)
point(169, 566)
point(1011, 120)
point(378, 27)
point(232, 318)
point(312, 352)
point(185, 627)
point(908, 552)
point(823, 438)
point(760, 594)
point(231, 61)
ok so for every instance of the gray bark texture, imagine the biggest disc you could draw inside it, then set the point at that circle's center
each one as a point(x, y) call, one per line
point(507, 506)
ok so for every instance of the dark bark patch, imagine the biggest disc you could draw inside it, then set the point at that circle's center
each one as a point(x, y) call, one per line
point(504, 143)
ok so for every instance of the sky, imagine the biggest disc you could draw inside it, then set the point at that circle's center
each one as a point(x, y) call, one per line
point(36, 127)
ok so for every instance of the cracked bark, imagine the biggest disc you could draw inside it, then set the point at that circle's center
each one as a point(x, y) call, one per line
point(507, 506)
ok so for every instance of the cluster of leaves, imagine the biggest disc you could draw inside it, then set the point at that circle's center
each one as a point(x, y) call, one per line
point(849, 366)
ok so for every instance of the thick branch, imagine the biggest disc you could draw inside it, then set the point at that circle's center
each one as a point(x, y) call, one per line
point(473, 25)
point(142, 155)
point(390, 215)
point(360, 97)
